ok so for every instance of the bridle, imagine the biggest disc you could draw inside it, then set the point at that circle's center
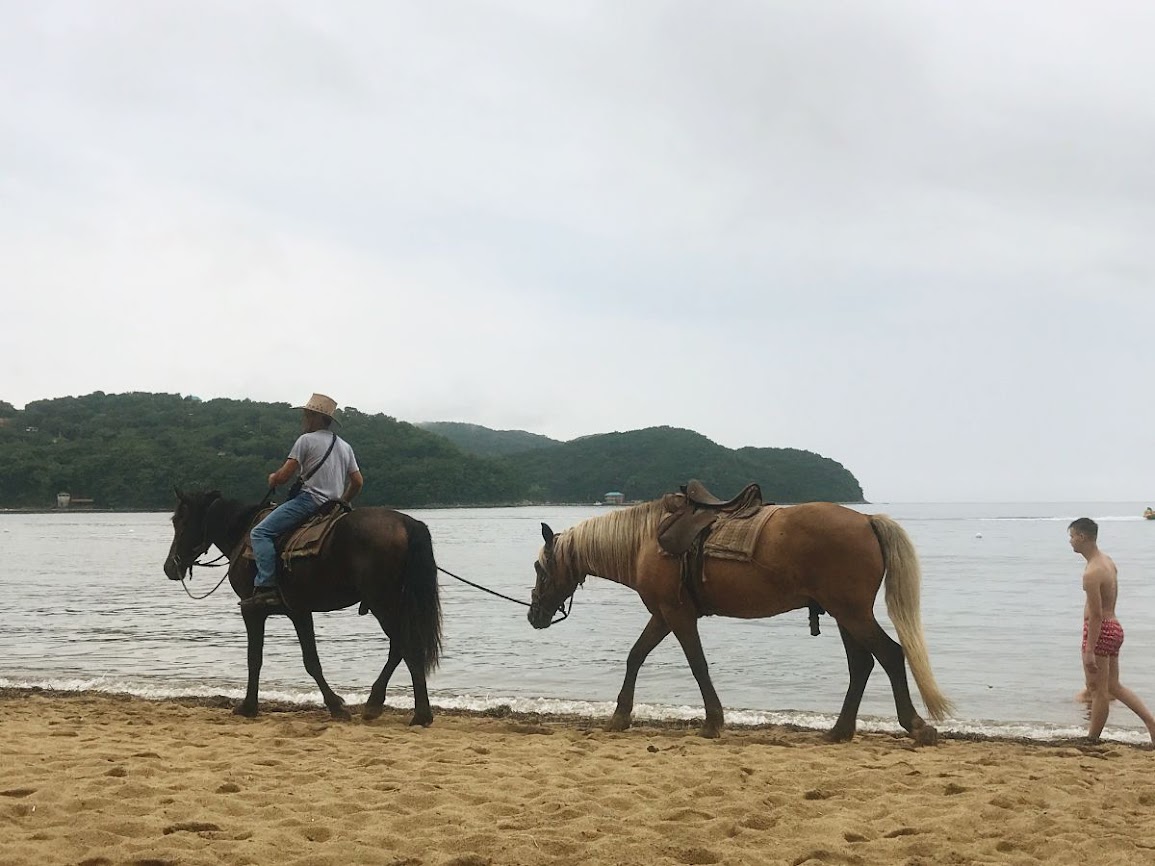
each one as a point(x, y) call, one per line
point(567, 604)
point(201, 549)
point(205, 543)
point(564, 609)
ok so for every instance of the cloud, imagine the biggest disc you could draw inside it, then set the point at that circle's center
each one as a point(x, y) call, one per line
point(911, 237)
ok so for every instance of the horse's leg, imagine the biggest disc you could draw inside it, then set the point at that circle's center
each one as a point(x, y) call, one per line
point(303, 622)
point(890, 655)
point(684, 623)
point(422, 711)
point(255, 631)
point(376, 703)
point(861, 663)
point(652, 635)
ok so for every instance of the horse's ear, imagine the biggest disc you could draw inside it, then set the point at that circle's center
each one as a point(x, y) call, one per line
point(179, 494)
point(547, 534)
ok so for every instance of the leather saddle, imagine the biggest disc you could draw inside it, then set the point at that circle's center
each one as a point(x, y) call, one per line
point(696, 509)
point(306, 540)
point(684, 530)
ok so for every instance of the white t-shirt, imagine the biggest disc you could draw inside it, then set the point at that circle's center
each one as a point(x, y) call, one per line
point(328, 482)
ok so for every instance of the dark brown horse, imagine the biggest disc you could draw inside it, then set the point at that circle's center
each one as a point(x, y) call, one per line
point(818, 552)
point(377, 557)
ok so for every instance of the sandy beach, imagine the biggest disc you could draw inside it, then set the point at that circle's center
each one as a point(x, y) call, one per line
point(101, 780)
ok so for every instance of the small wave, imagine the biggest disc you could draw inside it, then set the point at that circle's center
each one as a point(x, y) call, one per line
point(808, 720)
point(1110, 518)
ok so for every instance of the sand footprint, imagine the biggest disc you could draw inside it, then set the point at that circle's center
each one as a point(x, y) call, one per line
point(469, 860)
point(696, 856)
point(821, 855)
point(191, 827)
point(758, 822)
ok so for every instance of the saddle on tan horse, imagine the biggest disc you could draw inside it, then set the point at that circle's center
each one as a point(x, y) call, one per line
point(700, 524)
point(695, 510)
point(693, 513)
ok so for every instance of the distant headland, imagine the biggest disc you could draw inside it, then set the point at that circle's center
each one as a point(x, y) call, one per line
point(127, 451)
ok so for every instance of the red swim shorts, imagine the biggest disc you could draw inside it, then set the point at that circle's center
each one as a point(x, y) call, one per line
point(1110, 638)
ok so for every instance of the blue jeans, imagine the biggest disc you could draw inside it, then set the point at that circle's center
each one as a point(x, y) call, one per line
point(285, 517)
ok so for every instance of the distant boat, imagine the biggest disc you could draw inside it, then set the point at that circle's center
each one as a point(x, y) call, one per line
point(1149, 514)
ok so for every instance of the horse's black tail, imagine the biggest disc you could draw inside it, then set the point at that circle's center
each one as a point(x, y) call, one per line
point(420, 620)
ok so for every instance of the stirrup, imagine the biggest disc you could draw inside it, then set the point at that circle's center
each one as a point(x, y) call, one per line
point(265, 597)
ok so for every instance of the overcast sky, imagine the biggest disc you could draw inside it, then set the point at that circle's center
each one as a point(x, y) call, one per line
point(914, 237)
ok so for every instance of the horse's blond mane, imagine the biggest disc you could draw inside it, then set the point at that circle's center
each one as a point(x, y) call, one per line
point(607, 545)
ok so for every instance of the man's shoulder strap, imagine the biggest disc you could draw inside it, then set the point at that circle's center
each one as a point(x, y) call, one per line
point(329, 451)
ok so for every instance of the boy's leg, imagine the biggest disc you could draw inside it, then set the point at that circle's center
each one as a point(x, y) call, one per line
point(1129, 698)
point(1099, 686)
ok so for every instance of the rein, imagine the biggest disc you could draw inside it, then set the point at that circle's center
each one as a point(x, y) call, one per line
point(564, 611)
point(213, 564)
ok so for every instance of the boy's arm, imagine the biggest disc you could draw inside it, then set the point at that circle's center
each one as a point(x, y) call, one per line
point(1093, 579)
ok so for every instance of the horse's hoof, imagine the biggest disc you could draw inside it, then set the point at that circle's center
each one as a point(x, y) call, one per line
point(424, 720)
point(618, 723)
point(245, 710)
point(371, 712)
point(711, 732)
point(837, 736)
point(925, 736)
point(340, 714)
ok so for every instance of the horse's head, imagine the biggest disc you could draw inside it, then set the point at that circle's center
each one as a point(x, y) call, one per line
point(190, 523)
point(557, 580)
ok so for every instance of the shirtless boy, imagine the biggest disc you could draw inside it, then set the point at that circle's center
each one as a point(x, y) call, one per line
point(1102, 633)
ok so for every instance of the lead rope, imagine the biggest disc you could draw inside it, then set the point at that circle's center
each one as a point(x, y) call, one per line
point(216, 563)
point(564, 612)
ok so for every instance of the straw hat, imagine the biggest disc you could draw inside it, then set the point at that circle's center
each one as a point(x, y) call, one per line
point(321, 404)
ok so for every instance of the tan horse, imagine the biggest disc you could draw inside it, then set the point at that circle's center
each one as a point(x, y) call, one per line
point(817, 552)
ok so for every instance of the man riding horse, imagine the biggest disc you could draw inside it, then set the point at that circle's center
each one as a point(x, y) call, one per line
point(328, 471)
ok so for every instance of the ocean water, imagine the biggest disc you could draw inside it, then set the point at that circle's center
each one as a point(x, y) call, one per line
point(85, 605)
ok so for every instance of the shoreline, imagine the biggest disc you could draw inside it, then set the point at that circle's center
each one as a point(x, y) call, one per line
point(574, 720)
point(103, 780)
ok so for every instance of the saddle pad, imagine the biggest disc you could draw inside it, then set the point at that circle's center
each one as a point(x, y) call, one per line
point(735, 537)
point(306, 540)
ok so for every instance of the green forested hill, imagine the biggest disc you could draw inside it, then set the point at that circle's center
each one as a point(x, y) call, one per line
point(475, 439)
point(129, 450)
point(644, 464)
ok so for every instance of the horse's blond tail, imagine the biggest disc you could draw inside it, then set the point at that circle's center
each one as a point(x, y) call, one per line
point(903, 584)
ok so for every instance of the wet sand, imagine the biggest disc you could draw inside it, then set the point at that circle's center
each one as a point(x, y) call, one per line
point(95, 779)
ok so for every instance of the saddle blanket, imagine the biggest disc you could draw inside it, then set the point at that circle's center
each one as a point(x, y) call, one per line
point(306, 540)
point(735, 537)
